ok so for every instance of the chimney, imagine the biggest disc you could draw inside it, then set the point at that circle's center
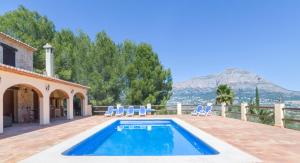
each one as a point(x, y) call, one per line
point(49, 60)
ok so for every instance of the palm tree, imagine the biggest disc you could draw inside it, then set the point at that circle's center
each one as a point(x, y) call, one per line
point(224, 94)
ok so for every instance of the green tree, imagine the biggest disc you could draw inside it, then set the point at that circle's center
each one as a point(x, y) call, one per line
point(257, 97)
point(72, 56)
point(128, 73)
point(264, 116)
point(107, 71)
point(224, 94)
point(29, 27)
point(64, 43)
point(147, 80)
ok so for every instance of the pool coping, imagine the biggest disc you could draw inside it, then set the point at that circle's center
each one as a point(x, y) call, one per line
point(228, 153)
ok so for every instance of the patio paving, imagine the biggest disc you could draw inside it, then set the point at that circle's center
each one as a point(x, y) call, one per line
point(270, 144)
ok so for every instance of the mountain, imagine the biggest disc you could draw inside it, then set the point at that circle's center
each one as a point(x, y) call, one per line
point(202, 89)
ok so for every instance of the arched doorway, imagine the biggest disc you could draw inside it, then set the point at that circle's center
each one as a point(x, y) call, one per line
point(58, 104)
point(21, 104)
point(78, 103)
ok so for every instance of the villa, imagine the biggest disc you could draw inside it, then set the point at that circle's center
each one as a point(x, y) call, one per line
point(29, 97)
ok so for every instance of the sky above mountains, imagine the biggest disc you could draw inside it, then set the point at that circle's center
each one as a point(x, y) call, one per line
point(193, 38)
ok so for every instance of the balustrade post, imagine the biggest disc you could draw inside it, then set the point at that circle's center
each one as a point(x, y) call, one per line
point(223, 109)
point(179, 108)
point(278, 111)
point(244, 111)
point(118, 105)
point(148, 108)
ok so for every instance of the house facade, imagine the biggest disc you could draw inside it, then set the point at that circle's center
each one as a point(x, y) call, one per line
point(29, 97)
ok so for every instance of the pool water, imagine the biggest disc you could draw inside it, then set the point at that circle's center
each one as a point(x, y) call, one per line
point(142, 138)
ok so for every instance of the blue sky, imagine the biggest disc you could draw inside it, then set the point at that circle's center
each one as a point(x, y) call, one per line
point(193, 38)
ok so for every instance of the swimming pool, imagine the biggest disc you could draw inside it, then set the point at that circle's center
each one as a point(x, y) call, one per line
point(142, 138)
point(170, 135)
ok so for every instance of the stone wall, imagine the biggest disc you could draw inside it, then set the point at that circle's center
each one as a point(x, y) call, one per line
point(24, 59)
point(24, 104)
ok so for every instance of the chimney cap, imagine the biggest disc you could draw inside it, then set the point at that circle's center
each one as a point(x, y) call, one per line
point(47, 46)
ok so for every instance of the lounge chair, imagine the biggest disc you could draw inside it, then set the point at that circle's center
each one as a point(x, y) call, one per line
point(208, 110)
point(130, 111)
point(120, 111)
point(142, 111)
point(110, 111)
point(198, 110)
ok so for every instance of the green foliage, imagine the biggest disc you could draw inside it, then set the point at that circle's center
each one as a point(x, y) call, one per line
point(125, 73)
point(224, 94)
point(257, 97)
point(29, 27)
point(147, 81)
point(264, 116)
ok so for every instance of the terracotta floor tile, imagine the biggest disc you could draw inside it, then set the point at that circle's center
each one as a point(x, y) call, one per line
point(271, 144)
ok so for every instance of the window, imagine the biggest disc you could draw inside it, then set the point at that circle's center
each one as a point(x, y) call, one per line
point(9, 55)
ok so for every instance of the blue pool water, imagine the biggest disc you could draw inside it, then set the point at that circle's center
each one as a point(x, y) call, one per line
point(141, 138)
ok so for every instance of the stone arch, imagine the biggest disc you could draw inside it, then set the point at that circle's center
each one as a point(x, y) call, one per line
point(79, 103)
point(58, 104)
point(21, 103)
point(36, 89)
point(63, 92)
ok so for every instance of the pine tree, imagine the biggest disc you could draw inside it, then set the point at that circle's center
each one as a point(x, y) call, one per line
point(128, 73)
point(29, 27)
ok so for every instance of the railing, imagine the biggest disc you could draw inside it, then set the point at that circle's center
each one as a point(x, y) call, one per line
point(155, 109)
point(164, 109)
point(161, 109)
point(286, 117)
point(233, 111)
point(217, 109)
point(99, 110)
point(261, 114)
point(292, 118)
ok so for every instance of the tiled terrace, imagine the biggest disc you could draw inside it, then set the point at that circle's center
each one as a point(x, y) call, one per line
point(270, 144)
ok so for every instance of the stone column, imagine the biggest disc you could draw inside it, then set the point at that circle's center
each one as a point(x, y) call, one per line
point(179, 108)
point(70, 107)
point(83, 107)
point(16, 119)
point(223, 109)
point(278, 111)
point(244, 111)
point(1, 112)
point(44, 109)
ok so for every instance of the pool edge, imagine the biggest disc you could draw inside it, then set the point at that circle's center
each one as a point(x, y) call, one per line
point(227, 152)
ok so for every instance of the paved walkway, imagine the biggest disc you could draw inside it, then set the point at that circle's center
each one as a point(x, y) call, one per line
point(270, 144)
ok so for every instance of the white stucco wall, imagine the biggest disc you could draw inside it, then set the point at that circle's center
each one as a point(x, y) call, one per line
point(44, 88)
point(49, 62)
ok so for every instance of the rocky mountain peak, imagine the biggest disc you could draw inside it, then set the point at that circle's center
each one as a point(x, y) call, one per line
point(236, 78)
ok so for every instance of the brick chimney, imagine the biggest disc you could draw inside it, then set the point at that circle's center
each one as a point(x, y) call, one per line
point(49, 60)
